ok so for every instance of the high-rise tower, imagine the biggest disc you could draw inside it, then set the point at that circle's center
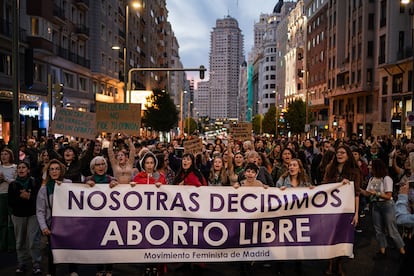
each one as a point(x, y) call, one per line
point(226, 57)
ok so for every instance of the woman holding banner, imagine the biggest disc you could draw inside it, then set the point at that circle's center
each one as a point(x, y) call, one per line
point(55, 171)
point(98, 167)
point(343, 168)
point(149, 173)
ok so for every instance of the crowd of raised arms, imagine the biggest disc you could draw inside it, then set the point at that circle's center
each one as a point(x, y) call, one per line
point(380, 168)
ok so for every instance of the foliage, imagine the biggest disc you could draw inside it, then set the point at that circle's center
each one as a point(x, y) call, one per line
point(256, 123)
point(269, 122)
point(295, 116)
point(193, 125)
point(161, 113)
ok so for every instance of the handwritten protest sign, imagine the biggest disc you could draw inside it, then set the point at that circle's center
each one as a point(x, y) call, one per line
point(241, 131)
point(381, 128)
point(193, 146)
point(74, 123)
point(146, 224)
point(118, 117)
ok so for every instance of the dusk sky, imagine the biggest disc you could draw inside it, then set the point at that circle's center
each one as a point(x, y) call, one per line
point(193, 20)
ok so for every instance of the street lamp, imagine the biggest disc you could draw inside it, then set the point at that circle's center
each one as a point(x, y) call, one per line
point(181, 111)
point(188, 117)
point(134, 5)
point(411, 12)
point(276, 112)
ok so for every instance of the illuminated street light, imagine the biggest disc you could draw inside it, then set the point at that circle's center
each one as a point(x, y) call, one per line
point(406, 2)
point(134, 5)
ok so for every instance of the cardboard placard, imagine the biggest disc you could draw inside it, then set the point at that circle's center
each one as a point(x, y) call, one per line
point(74, 123)
point(193, 146)
point(381, 128)
point(118, 117)
point(241, 131)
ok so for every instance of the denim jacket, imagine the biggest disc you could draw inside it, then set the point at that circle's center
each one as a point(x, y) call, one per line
point(402, 213)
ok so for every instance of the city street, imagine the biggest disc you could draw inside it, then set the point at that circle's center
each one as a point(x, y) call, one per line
point(362, 264)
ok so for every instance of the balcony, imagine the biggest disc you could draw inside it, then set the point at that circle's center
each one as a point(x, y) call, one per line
point(73, 57)
point(82, 31)
point(405, 53)
point(37, 42)
point(82, 4)
point(59, 15)
point(6, 30)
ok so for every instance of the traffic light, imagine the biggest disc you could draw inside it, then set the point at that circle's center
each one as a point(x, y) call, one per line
point(202, 70)
point(58, 94)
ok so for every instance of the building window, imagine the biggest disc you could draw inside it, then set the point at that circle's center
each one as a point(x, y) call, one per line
point(369, 107)
point(68, 80)
point(381, 57)
point(383, 13)
point(397, 83)
point(384, 85)
point(83, 84)
point(369, 75)
point(371, 20)
point(370, 49)
point(360, 104)
point(38, 72)
point(5, 64)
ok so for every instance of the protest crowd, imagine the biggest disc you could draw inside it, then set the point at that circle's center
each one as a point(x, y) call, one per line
point(379, 167)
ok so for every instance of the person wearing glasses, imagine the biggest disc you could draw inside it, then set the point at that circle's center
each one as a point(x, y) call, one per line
point(55, 175)
point(343, 168)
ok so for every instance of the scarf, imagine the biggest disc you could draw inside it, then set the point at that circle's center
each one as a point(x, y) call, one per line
point(100, 178)
point(50, 186)
point(237, 170)
point(24, 182)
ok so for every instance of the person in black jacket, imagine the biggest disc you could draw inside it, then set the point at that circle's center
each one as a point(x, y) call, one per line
point(94, 149)
point(22, 201)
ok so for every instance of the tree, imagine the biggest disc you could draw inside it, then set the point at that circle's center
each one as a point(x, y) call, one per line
point(269, 121)
point(256, 123)
point(193, 125)
point(161, 113)
point(295, 116)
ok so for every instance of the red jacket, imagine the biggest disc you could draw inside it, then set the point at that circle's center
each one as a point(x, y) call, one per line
point(144, 178)
point(193, 180)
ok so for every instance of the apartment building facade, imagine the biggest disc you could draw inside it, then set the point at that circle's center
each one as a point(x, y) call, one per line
point(70, 44)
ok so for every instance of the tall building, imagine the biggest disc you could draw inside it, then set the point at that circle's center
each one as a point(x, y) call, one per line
point(226, 57)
